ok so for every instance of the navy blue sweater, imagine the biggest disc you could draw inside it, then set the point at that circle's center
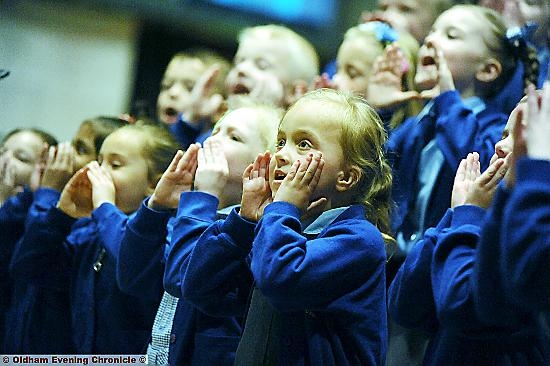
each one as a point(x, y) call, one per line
point(81, 256)
point(328, 288)
point(526, 235)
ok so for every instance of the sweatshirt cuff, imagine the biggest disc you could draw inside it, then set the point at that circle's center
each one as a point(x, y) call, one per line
point(281, 207)
point(61, 220)
point(446, 99)
point(149, 221)
point(198, 204)
point(467, 215)
point(240, 230)
point(47, 196)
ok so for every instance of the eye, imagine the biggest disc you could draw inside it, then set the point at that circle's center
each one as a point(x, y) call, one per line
point(189, 85)
point(353, 72)
point(81, 149)
point(404, 9)
point(115, 164)
point(22, 158)
point(235, 137)
point(304, 144)
point(262, 64)
point(280, 144)
point(165, 85)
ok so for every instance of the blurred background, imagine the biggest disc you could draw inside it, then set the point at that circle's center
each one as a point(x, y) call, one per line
point(72, 59)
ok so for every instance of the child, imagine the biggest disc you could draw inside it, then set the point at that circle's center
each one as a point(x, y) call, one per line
point(21, 149)
point(191, 94)
point(437, 285)
point(271, 61)
point(195, 338)
point(357, 57)
point(78, 241)
point(525, 220)
point(317, 262)
point(464, 66)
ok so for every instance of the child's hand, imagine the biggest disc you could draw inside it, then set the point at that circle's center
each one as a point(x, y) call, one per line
point(268, 89)
point(519, 149)
point(483, 189)
point(204, 104)
point(256, 191)
point(212, 170)
point(441, 80)
point(467, 172)
point(385, 89)
point(76, 197)
point(301, 181)
point(323, 81)
point(59, 166)
point(103, 187)
point(176, 179)
point(7, 177)
point(538, 123)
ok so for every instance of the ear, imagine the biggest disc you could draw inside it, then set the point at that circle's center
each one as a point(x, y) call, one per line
point(489, 71)
point(347, 179)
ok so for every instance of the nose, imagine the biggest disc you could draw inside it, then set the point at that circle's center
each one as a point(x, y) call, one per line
point(281, 158)
point(175, 91)
point(502, 149)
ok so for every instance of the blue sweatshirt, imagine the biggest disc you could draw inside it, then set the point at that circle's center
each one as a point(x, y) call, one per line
point(196, 338)
point(464, 337)
point(526, 235)
point(58, 250)
point(325, 286)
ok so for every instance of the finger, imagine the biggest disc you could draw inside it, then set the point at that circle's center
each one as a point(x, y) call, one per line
point(293, 170)
point(201, 160)
point(460, 175)
point(311, 169)
point(256, 165)
point(247, 172)
point(177, 161)
point(264, 166)
point(545, 102)
point(304, 164)
point(317, 175)
point(520, 145)
point(500, 174)
point(490, 172)
point(51, 156)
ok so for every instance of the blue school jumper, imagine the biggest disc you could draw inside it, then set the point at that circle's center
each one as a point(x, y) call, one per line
point(324, 289)
point(465, 338)
point(187, 134)
point(13, 213)
point(526, 236)
point(58, 248)
point(452, 130)
point(38, 320)
point(195, 339)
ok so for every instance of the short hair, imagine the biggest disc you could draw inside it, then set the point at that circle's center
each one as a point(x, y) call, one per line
point(45, 136)
point(102, 127)
point(303, 58)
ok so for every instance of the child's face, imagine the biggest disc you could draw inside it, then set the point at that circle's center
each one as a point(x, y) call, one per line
point(121, 155)
point(260, 70)
point(24, 149)
point(309, 127)
point(240, 139)
point(413, 16)
point(176, 86)
point(84, 147)
point(355, 59)
point(459, 35)
point(505, 145)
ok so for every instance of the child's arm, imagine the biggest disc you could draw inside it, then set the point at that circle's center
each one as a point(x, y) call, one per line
point(410, 297)
point(526, 228)
point(454, 253)
point(140, 266)
point(217, 278)
point(196, 211)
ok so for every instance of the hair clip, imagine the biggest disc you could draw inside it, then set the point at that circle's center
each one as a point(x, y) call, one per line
point(382, 31)
point(4, 73)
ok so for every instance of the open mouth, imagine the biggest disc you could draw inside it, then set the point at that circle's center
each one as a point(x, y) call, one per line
point(427, 60)
point(240, 89)
point(170, 112)
point(279, 175)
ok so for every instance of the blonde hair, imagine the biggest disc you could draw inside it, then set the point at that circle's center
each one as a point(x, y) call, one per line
point(158, 148)
point(409, 46)
point(502, 50)
point(267, 118)
point(362, 139)
point(208, 58)
point(303, 61)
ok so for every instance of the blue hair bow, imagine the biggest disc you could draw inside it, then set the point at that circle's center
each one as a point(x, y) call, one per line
point(382, 31)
